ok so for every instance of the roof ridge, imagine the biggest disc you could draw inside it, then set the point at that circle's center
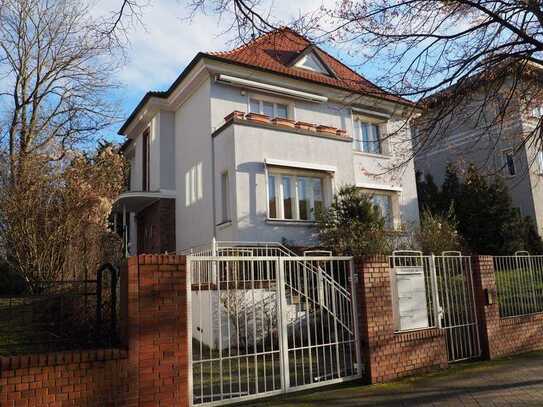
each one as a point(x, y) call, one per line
point(259, 39)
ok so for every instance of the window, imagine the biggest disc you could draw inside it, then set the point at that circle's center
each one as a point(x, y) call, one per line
point(537, 111)
point(309, 197)
point(268, 108)
point(367, 137)
point(509, 163)
point(225, 196)
point(294, 197)
point(540, 162)
point(383, 202)
point(146, 159)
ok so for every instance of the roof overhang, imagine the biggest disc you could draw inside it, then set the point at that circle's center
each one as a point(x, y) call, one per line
point(135, 201)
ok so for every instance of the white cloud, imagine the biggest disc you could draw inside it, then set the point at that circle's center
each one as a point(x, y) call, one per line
point(165, 44)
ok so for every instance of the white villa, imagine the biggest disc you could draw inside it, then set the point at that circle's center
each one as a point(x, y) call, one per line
point(246, 143)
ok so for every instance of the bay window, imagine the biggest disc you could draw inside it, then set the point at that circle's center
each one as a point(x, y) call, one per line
point(294, 196)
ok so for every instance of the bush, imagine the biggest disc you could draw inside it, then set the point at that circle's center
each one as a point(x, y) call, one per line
point(438, 233)
point(352, 225)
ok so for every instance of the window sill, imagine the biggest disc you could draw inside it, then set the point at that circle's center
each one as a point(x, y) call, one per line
point(290, 222)
point(224, 225)
point(373, 155)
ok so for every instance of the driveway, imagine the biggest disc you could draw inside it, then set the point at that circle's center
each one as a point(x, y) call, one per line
point(514, 381)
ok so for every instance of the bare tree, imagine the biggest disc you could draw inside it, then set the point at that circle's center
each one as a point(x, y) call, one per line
point(478, 55)
point(53, 220)
point(56, 66)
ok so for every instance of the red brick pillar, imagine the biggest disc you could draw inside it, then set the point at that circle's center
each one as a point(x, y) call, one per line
point(387, 354)
point(376, 318)
point(158, 329)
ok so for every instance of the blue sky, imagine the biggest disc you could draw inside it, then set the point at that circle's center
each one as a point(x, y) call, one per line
point(166, 42)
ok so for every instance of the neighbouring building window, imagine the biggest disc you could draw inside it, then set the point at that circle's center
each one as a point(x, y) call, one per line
point(294, 197)
point(540, 162)
point(509, 162)
point(383, 202)
point(367, 137)
point(146, 160)
point(268, 108)
point(225, 197)
point(537, 111)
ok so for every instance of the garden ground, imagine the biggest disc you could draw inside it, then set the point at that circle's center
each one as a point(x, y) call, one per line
point(515, 381)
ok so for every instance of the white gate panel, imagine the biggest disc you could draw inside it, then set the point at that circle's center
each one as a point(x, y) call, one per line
point(266, 325)
point(459, 314)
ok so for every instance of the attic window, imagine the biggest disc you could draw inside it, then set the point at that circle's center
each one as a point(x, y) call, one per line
point(312, 63)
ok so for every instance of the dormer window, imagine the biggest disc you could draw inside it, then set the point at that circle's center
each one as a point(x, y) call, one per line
point(311, 63)
point(310, 60)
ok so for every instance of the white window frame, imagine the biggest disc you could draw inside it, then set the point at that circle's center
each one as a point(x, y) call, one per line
point(279, 173)
point(505, 166)
point(261, 99)
point(394, 201)
point(382, 126)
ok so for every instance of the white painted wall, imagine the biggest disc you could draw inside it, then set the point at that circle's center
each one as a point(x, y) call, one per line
point(193, 169)
point(166, 130)
point(224, 154)
point(253, 146)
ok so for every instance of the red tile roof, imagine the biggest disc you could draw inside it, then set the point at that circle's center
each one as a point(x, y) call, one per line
point(277, 50)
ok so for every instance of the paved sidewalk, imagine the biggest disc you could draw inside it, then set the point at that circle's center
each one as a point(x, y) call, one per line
point(514, 381)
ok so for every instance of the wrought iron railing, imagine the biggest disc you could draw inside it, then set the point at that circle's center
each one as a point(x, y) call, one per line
point(63, 315)
point(519, 282)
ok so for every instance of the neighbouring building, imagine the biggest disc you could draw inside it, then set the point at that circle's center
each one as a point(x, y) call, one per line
point(247, 143)
point(493, 127)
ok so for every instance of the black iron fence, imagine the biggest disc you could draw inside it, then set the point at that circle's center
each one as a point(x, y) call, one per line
point(62, 315)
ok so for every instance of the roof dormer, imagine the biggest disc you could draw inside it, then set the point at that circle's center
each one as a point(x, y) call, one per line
point(310, 60)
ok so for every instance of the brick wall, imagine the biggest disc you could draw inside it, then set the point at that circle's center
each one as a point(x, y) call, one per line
point(156, 227)
point(502, 336)
point(153, 371)
point(389, 355)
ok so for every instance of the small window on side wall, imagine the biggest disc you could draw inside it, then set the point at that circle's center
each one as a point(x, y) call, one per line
point(508, 163)
point(540, 162)
point(225, 197)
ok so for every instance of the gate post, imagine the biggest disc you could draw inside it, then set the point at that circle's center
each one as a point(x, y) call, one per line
point(388, 354)
point(158, 339)
point(484, 281)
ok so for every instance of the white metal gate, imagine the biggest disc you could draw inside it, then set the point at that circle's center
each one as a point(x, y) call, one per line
point(265, 325)
point(458, 310)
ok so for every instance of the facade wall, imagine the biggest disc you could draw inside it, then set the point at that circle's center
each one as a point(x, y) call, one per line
point(156, 227)
point(193, 169)
point(535, 173)
point(463, 141)
point(166, 122)
point(388, 355)
point(502, 336)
